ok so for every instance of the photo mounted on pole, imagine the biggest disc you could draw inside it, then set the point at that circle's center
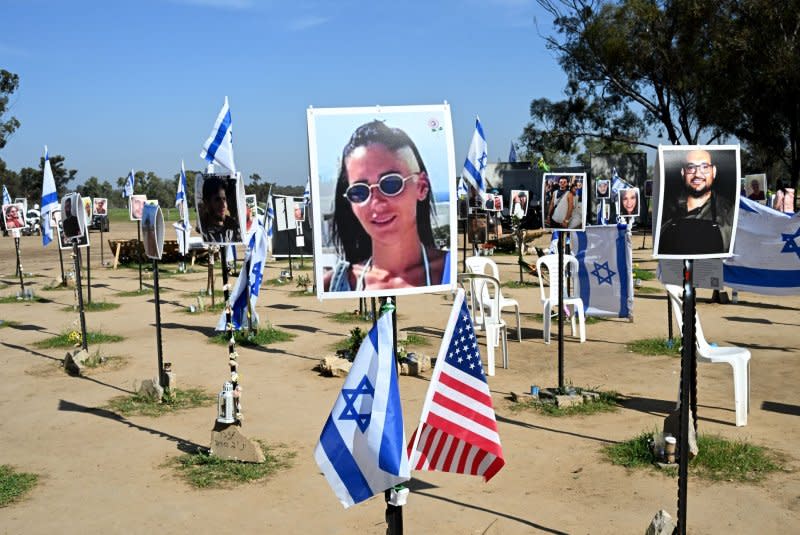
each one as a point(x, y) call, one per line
point(220, 206)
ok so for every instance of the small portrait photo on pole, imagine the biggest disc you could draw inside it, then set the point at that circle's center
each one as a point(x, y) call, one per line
point(101, 206)
point(698, 201)
point(135, 206)
point(519, 203)
point(755, 188)
point(152, 224)
point(55, 219)
point(87, 207)
point(562, 199)
point(602, 188)
point(251, 213)
point(221, 214)
point(628, 200)
point(14, 215)
point(73, 217)
point(299, 211)
point(384, 206)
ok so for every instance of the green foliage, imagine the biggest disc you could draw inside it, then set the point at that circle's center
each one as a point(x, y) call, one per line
point(203, 470)
point(65, 340)
point(416, 340)
point(136, 293)
point(655, 346)
point(648, 290)
point(14, 485)
point(14, 299)
point(517, 284)
point(348, 317)
point(94, 306)
point(264, 336)
point(606, 402)
point(718, 459)
point(9, 82)
point(182, 399)
point(643, 274)
point(8, 323)
point(348, 347)
point(302, 281)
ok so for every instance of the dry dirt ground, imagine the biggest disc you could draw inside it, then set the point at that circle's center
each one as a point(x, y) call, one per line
point(104, 474)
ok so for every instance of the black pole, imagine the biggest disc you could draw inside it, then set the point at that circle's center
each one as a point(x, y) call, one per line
point(688, 358)
point(561, 311)
point(89, 274)
point(102, 261)
point(19, 268)
point(61, 259)
point(157, 299)
point(394, 513)
point(138, 254)
point(291, 247)
point(76, 252)
point(232, 361)
point(466, 232)
point(669, 324)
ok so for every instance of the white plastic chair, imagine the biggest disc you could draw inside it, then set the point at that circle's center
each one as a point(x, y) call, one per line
point(494, 325)
point(478, 264)
point(737, 357)
point(551, 301)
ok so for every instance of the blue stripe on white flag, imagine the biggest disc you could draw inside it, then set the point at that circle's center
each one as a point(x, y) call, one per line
point(622, 268)
point(211, 152)
point(345, 466)
point(49, 201)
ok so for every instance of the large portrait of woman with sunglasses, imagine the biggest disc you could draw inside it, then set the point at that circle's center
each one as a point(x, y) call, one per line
point(382, 199)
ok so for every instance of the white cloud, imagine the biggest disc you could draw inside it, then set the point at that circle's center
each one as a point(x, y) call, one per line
point(306, 23)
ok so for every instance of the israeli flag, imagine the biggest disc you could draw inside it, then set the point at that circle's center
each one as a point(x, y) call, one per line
point(49, 202)
point(618, 183)
point(361, 449)
point(766, 254)
point(477, 159)
point(218, 148)
point(247, 282)
point(127, 191)
point(182, 228)
point(512, 154)
point(605, 261)
point(462, 190)
point(307, 192)
point(6, 195)
point(270, 215)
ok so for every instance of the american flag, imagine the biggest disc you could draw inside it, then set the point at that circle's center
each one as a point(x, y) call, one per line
point(458, 429)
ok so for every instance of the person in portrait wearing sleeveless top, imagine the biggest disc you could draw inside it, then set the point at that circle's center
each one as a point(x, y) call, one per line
point(383, 210)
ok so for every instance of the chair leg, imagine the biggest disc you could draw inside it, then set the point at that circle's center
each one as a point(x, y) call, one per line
point(572, 322)
point(581, 323)
point(504, 334)
point(519, 329)
point(546, 324)
point(490, 350)
point(740, 388)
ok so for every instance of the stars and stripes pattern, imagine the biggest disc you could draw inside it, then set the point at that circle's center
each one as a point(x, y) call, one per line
point(458, 428)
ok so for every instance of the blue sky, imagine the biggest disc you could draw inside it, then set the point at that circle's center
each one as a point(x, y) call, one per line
point(114, 85)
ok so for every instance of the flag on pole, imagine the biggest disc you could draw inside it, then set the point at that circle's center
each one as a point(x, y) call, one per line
point(361, 449)
point(458, 429)
point(307, 192)
point(605, 261)
point(49, 202)
point(182, 228)
point(462, 189)
point(512, 154)
point(270, 215)
point(218, 148)
point(127, 191)
point(247, 282)
point(6, 195)
point(766, 253)
point(542, 165)
point(477, 158)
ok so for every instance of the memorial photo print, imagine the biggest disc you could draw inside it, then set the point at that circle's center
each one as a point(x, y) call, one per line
point(698, 200)
point(384, 209)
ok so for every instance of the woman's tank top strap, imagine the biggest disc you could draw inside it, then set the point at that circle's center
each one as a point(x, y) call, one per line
point(340, 281)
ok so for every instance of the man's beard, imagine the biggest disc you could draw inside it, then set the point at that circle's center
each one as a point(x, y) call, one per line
point(697, 193)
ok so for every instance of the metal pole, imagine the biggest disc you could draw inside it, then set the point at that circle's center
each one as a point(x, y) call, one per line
point(291, 247)
point(561, 311)
point(138, 255)
point(670, 335)
point(157, 298)
point(394, 513)
point(19, 268)
point(76, 253)
point(688, 357)
point(61, 261)
point(102, 261)
point(232, 360)
point(466, 232)
point(89, 274)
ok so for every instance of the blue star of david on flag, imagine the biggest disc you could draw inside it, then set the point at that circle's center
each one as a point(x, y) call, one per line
point(791, 245)
point(603, 279)
point(350, 396)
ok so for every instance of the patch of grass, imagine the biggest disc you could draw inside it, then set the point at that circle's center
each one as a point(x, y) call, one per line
point(264, 336)
point(517, 284)
point(203, 470)
point(413, 339)
point(348, 317)
point(14, 485)
point(644, 274)
point(301, 293)
point(63, 340)
point(135, 293)
point(137, 405)
point(655, 346)
point(52, 288)
point(13, 299)
point(94, 306)
point(606, 402)
point(718, 459)
point(648, 290)
point(8, 323)
point(277, 282)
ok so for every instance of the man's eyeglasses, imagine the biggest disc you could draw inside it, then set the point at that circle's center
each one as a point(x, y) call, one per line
point(702, 168)
point(390, 185)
